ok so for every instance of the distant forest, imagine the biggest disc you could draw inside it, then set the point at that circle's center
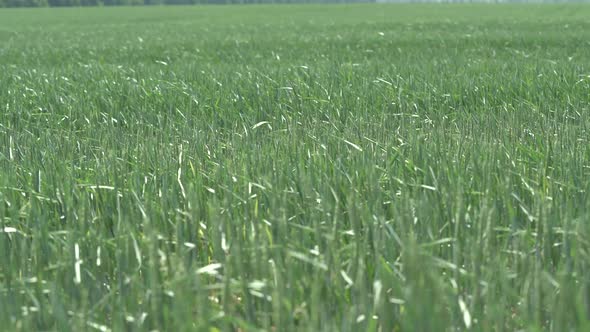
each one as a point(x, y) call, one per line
point(76, 3)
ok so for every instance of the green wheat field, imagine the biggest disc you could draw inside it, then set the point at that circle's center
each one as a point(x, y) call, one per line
point(295, 168)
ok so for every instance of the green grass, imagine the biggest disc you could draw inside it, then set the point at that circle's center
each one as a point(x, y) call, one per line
point(308, 168)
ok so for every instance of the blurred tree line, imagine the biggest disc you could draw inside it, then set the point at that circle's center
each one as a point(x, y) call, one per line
point(74, 3)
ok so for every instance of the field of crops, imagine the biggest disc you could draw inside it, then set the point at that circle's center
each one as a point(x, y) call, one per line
point(295, 168)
